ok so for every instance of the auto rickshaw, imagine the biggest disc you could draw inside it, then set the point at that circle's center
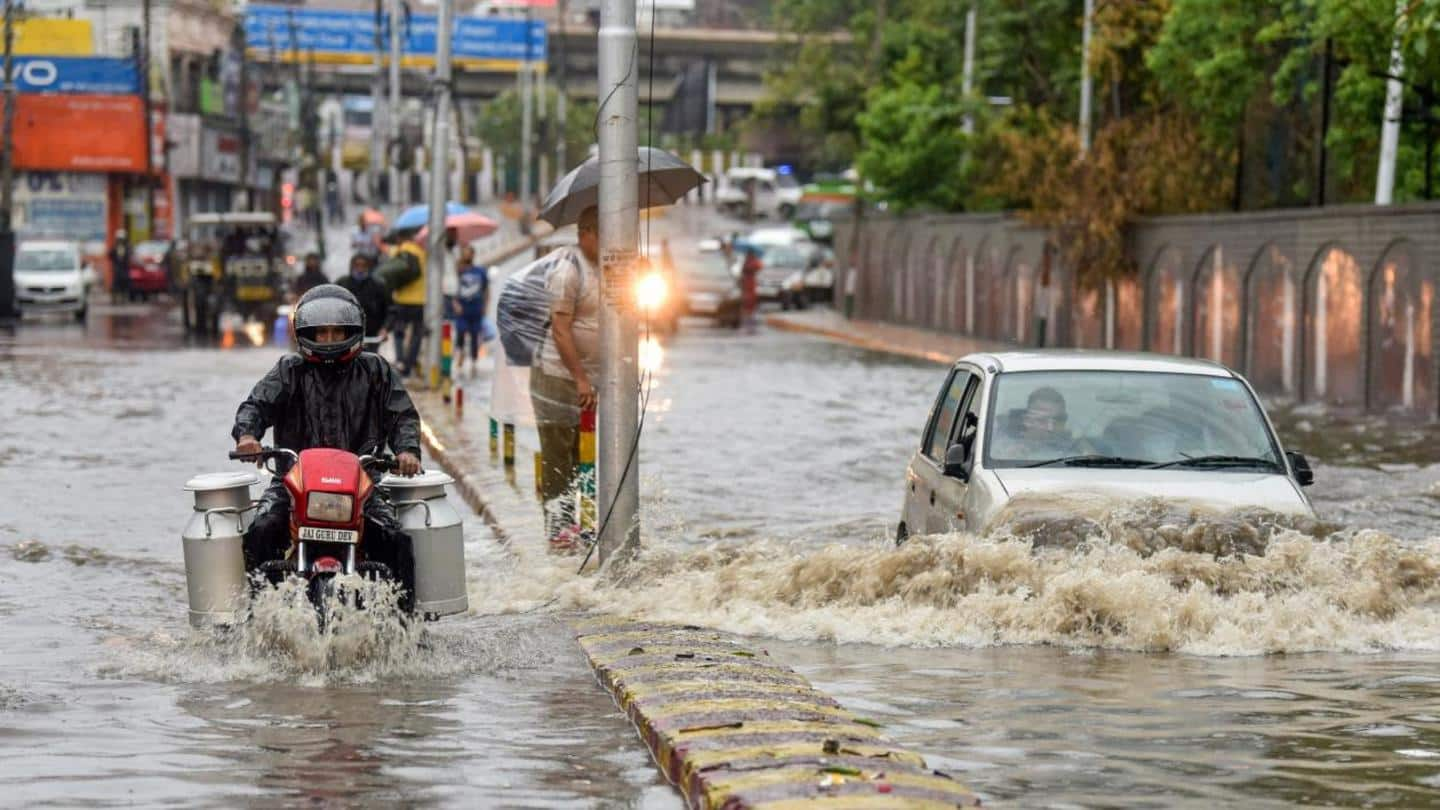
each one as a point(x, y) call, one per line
point(234, 262)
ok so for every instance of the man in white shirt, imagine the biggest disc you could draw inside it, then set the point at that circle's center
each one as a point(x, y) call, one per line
point(562, 381)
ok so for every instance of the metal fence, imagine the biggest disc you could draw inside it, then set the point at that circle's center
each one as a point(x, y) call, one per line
point(1335, 305)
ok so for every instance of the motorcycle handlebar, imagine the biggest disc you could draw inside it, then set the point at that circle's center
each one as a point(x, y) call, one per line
point(265, 453)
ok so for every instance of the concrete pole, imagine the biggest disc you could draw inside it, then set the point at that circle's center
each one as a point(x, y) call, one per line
point(435, 258)
point(527, 130)
point(1394, 103)
point(1085, 78)
point(8, 313)
point(967, 76)
point(377, 95)
point(562, 159)
point(619, 384)
point(392, 112)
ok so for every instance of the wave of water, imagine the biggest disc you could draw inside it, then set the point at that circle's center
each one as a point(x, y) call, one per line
point(1144, 575)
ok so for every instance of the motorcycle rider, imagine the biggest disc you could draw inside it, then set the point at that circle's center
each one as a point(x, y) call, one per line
point(331, 394)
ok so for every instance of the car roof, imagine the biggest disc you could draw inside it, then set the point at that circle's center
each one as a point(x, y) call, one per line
point(749, 171)
point(234, 218)
point(1087, 360)
point(49, 244)
point(783, 234)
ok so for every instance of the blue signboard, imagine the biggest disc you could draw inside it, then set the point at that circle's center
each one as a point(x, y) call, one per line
point(89, 75)
point(287, 34)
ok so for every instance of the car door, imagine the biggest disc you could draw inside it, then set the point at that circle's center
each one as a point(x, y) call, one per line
point(947, 512)
point(925, 470)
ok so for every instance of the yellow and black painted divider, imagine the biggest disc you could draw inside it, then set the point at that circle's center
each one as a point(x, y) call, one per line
point(734, 730)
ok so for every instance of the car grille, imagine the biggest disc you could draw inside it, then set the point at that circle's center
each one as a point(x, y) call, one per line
point(42, 290)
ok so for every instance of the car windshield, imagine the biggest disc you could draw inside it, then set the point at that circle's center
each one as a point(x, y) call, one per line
point(782, 256)
point(1126, 419)
point(151, 250)
point(705, 266)
point(43, 260)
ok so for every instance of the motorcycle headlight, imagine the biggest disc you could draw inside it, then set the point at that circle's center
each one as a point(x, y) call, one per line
point(331, 507)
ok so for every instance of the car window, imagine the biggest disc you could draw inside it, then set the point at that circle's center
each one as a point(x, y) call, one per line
point(38, 260)
point(1153, 417)
point(947, 407)
point(781, 256)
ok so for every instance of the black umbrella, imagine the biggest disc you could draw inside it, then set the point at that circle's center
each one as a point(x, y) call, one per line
point(664, 179)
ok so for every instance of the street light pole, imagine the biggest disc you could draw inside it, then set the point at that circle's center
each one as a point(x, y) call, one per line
point(562, 163)
point(377, 139)
point(527, 115)
point(7, 176)
point(967, 75)
point(1394, 105)
point(618, 462)
point(1085, 77)
point(392, 114)
point(439, 149)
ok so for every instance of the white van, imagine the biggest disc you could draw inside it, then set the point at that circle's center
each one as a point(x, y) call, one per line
point(776, 195)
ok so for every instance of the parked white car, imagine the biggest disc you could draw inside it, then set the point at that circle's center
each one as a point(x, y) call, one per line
point(52, 277)
point(776, 195)
point(1113, 424)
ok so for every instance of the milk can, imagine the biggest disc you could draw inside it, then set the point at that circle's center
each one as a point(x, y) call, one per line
point(214, 557)
point(435, 531)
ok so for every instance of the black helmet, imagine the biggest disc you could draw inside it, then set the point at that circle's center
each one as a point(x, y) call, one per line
point(328, 305)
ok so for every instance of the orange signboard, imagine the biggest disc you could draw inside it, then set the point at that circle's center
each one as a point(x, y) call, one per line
point(80, 133)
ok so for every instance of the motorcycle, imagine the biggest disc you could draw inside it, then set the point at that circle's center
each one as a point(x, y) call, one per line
point(329, 490)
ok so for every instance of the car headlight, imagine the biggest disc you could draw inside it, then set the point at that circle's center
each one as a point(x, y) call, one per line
point(331, 507)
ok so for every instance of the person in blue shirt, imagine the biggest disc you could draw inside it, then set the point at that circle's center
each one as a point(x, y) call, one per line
point(471, 299)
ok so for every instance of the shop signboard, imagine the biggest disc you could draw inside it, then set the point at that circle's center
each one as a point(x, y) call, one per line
point(60, 205)
point(288, 33)
point(183, 135)
point(49, 36)
point(85, 133)
point(76, 74)
point(220, 156)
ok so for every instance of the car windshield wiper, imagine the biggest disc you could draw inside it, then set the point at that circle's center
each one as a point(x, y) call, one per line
point(1217, 462)
point(1092, 460)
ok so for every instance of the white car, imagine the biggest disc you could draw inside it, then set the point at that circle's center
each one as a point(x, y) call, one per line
point(776, 195)
point(52, 277)
point(1065, 423)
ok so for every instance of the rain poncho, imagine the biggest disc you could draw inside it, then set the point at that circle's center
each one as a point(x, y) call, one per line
point(360, 406)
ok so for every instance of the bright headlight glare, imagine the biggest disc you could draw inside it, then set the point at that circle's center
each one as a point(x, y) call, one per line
point(331, 507)
point(650, 291)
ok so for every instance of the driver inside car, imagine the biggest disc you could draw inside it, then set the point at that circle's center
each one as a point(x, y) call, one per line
point(330, 394)
point(1038, 431)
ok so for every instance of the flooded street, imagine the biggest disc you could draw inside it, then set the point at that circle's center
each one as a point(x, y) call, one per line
point(108, 698)
point(1118, 672)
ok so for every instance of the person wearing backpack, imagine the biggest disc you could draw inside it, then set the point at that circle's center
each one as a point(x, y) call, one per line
point(564, 372)
point(404, 274)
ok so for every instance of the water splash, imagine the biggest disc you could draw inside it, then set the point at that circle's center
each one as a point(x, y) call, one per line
point(1136, 576)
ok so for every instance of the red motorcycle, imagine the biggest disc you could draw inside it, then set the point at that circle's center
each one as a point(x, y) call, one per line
point(328, 492)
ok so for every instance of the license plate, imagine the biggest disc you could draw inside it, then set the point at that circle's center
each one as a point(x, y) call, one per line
point(316, 534)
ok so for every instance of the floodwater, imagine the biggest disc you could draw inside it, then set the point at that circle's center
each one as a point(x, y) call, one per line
point(1082, 654)
point(1129, 665)
point(108, 698)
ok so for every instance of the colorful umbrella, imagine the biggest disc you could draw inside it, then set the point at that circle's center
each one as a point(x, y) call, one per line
point(418, 216)
point(468, 227)
point(372, 217)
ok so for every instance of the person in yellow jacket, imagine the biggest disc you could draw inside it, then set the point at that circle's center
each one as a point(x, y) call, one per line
point(408, 310)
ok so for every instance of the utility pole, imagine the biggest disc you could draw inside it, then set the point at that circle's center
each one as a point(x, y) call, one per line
point(967, 76)
point(392, 114)
point(1085, 77)
point(618, 464)
point(143, 56)
point(527, 116)
point(1394, 106)
point(7, 177)
point(439, 149)
point(562, 160)
point(377, 140)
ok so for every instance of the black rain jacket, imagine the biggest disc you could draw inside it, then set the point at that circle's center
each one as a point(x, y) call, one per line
point(360, 406)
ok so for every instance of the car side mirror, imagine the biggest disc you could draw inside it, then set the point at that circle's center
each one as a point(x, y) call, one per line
point(1304, 476)
point(957, 462)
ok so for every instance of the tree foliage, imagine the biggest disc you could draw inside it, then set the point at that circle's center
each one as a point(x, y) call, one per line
point(1198, 105)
